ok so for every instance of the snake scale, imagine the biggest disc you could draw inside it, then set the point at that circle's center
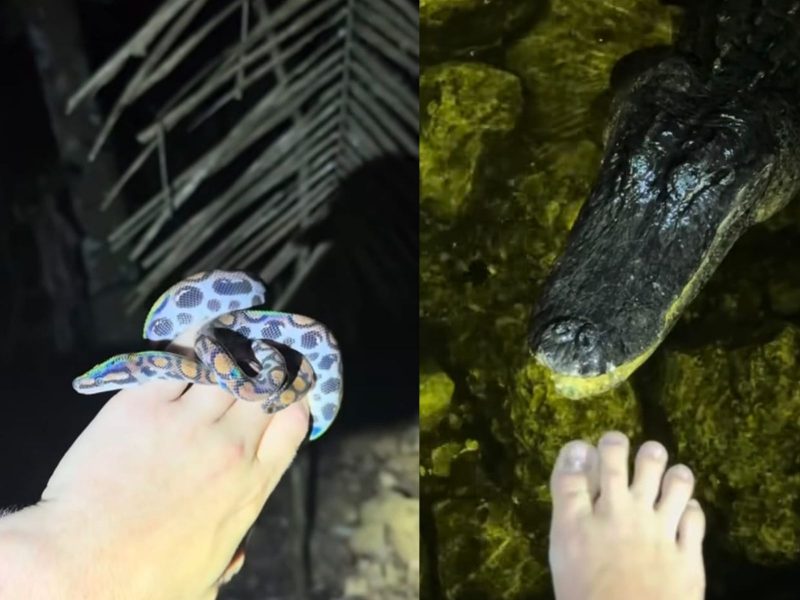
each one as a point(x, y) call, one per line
point(207, 302)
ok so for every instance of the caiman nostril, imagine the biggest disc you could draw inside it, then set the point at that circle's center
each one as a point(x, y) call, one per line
point(570, 347)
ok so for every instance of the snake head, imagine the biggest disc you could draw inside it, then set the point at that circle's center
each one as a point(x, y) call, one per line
point(107, 376)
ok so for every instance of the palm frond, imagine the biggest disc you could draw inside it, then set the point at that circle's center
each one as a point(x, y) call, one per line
point(311, 89)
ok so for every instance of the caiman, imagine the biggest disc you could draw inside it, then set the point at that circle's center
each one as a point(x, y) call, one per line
point(701, 144)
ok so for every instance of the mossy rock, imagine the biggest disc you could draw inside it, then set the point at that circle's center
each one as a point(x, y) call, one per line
point(736, 419)
point(544, 420)
point(435, 393)
point(483, 553)
point(568, 57)
point(466, 109)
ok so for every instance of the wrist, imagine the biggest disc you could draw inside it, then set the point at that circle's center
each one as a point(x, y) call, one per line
point(35, 563)
point(25, 568)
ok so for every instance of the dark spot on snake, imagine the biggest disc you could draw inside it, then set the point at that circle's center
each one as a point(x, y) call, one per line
point(313, 356)
point(161, 327)
point(214, 305)
point(256, 300)
point(271, 330)
point(232, 287)
point(288, 342)
point(327, 361)
point(329, 411)
point(310, 339)
point(330, 385)
point(245, 331)
point(188, 297)
point(184, 318)
point(233, 305)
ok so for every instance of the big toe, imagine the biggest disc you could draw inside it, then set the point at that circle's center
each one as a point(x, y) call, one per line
point(676, 490)
point(573, 483)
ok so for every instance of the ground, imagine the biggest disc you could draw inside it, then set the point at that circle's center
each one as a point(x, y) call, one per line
point(364, 536)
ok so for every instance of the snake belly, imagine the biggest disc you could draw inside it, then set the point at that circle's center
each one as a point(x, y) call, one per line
point(209, 301)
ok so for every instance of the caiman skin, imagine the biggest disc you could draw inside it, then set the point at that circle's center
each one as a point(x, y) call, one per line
point(699, 147)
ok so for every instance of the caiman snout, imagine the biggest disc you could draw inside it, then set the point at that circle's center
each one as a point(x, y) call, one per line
point(571, 346)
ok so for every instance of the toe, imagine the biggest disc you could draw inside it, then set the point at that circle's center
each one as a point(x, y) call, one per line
point(650, 463)
point(573, 484)
point(613, 452)
point(676, 490)
point(692, 528)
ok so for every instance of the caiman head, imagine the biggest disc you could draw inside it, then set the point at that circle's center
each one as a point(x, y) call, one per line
point(687, 169)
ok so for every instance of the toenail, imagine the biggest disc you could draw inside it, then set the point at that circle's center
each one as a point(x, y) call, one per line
point(682, 471)
point(575, 457)
point(613, 438)
point(654, 450)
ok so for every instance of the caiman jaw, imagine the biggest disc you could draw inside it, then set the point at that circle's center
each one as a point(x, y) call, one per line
point(684, 175)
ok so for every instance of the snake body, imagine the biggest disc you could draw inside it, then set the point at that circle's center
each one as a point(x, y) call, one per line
point(210, 301)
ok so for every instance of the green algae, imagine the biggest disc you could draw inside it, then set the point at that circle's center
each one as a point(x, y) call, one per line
point(504, 174)
point(483, 553)
point(435, 392)
point(736, 417)
point(455, 135)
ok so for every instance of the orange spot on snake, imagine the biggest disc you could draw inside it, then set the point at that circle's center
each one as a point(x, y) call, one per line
point(222, 364)
point(227, 319)
point(302, 321)
point(116, 377)
point(288, 396)
point(276, 376)
point(188, 368)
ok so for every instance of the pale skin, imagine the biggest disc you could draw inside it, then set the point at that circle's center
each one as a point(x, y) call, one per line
point(152, 499)
point(615, 539)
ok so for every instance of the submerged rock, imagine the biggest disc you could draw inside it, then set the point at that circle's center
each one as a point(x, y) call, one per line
point(568, 57)
point(465, 109)
point(544, 420)
point(435, 393)
point(735, 415)
point(483, 553)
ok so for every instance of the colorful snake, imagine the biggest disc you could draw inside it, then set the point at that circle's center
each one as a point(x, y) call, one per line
point(216, 300)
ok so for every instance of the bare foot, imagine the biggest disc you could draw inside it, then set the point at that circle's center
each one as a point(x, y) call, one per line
point(152, 500)
point(613, 541)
